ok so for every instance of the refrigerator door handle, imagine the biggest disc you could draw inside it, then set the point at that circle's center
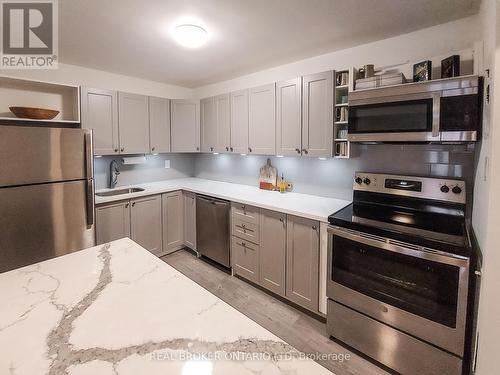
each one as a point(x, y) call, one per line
point(90, 202)
point(89, 154)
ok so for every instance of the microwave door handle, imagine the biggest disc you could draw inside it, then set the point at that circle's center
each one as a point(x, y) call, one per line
point(436, 114)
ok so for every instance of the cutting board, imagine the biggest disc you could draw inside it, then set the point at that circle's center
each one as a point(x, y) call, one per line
point(267, 178)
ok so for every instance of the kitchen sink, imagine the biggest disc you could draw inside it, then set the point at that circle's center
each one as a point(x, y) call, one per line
point(119, 192)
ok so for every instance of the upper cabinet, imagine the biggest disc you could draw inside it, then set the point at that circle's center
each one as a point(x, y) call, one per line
point(159, 125)
point(185, 125)
point(208, 125)
point(289, 117)
point(239, 121)
point(133, 118)
point(222, 105)
point(125, 123)
point(100, 113)
point(317, 115)
point(261, 124)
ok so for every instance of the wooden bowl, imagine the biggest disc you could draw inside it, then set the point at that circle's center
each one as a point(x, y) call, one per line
point(34, 113)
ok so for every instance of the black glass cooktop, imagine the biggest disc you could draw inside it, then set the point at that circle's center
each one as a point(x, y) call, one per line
point(436, 226)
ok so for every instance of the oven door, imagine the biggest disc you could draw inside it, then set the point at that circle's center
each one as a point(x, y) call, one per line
point(421, 292)
point(399, 118)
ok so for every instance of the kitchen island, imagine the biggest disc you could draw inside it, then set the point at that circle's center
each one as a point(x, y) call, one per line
point(118, 309)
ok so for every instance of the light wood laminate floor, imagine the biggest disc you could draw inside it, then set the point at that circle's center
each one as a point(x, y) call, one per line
point(291, 325)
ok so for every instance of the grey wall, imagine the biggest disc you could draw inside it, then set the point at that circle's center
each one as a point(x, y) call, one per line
point(181, 165)
point(333, 177)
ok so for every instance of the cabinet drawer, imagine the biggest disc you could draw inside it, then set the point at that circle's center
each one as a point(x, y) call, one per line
point(245, 257)
point(245, 212)
point(245, 230)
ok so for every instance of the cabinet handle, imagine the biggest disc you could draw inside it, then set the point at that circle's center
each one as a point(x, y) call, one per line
point(116, 150)
point(227, 148)
point(249, 149)
point(197, 149)
point(314, 227)
point(305, 151)
point(282, 220)
point(298, 150)
point(152, 148)
point(231, 149)
point(122, 149)
point(243, 244)
point(126, 205)
point(133, 204)
point(211, 148)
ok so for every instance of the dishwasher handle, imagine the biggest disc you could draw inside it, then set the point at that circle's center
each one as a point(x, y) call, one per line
point(212, 200)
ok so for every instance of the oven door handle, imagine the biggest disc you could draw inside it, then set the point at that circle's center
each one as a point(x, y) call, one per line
point(399, 247)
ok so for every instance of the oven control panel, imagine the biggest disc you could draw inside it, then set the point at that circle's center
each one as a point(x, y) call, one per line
point(448, 190)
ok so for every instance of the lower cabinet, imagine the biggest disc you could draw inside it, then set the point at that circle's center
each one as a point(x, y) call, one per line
point(173, 223)
point(189, 219)
point(139, 219)
point(279, 252)
point(112, 222)
point(302, 262)
point(245, 259)
point(145, 223)
point(272, 251)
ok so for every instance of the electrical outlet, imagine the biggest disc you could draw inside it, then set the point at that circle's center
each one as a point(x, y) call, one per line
point(167, 164)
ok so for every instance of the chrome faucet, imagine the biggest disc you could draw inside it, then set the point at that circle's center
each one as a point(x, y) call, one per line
point(113, 174)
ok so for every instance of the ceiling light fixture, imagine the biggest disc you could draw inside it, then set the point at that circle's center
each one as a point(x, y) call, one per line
point(190, 35)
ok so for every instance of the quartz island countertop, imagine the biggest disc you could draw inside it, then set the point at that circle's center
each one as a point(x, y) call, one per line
point(117, 309)
point(305, 205)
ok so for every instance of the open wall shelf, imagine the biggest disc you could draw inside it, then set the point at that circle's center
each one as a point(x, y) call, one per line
point(341, 146)
point(39, 94)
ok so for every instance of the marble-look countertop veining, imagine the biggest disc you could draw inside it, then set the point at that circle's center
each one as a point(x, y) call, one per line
point(305, 205)
point(117, 309)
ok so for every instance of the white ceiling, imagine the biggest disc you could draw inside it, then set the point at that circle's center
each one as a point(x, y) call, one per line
point(131, 36)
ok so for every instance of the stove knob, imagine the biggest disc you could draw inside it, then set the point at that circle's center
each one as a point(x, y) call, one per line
point(445, 189)
point(456, 190)
point(358, 180)
point(367, 181)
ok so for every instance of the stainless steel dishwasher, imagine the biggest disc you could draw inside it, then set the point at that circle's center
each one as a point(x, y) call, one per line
point(212, 229)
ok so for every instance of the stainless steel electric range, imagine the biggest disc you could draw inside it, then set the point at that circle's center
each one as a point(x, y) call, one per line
point(398, 272)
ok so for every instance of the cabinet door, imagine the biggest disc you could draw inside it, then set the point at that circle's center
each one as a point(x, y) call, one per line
point(317, 117)
point(302, 262)
point(208, 125)
point(272, 255)
point(100, 113)
point(159, 125)
point(245, 259)
point(239, 121)
point(145, 222)
point(189, 219)
point(112, 222)
point(185, 125)
point(173, 222)
point(261, 124)
point(133, 120)
point(223, 121)
point(289, 117)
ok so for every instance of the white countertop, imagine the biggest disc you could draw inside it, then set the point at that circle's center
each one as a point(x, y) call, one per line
point(305, 205)
point(117, 309)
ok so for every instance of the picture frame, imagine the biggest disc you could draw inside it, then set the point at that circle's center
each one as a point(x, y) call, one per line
point(422, 71)
point(450, 67)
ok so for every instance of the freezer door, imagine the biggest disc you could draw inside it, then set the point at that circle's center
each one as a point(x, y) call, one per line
point(39, 222)
point(33, 155)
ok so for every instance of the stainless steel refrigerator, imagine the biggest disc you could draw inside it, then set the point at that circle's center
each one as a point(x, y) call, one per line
point(46, 193)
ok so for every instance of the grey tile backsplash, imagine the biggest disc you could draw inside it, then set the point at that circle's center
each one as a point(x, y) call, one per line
point(330, 178)
point(333, 177)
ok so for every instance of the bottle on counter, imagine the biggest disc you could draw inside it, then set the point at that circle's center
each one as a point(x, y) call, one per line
point(282, 184)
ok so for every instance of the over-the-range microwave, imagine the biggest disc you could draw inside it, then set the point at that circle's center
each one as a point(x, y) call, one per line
point(443, 110)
